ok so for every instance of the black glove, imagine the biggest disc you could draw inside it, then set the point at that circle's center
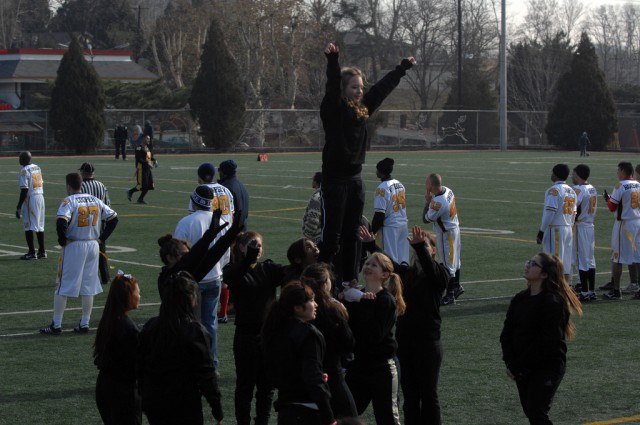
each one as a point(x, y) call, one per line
point(606, 196)
point(406, 64)
point(539, 237)
point(252, 251)
point(18, 213)
point(215, 226)
point(237, 217)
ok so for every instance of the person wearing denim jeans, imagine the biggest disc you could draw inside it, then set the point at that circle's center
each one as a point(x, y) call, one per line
point(209, 296)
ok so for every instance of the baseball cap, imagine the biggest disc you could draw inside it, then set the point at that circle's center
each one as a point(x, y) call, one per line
point(86, 167)
point(228, 167)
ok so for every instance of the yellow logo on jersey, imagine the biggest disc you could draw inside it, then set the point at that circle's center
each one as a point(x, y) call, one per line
point(553, 192)
point(380, 192)
point(435, 206)
point(618, 185)
point(23, 173)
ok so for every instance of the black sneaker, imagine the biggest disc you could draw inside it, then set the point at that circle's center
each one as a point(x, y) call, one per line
point(42, 255)
point(612, 295)
point(141, 201)
point(29, 256)
point(458, 291)
point(448, 299)
point(587, 296)
point(129, 195)
point(81, 329)
point(50, 330)
point(223, 319)
point(636, 296)
point(607, 287)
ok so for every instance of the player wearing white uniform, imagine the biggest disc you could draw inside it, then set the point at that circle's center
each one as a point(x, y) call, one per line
point(558, 217)
point(440, 209)
point(584, 241)
point(31, 206)
point(79, 232)
point(625, 237)
point(390, 214)
point(192, 227)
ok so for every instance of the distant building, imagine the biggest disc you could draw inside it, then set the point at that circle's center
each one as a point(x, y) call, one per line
point(23, 70)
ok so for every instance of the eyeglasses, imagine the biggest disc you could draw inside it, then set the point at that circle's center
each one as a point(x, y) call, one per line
point(531, 263)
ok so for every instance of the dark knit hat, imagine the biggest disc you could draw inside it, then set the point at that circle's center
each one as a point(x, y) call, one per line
point(202, 196)
point(561, 171)
point(206, 172)
point(583, 171)
point(385, 166)
point(228, 167)
point(87, 167)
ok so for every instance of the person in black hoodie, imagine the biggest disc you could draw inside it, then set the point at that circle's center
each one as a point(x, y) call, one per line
point(114, 353)
point(253, 287)
point(418, 329)
point(372, 376)
point(332, 321)
point(294, 350)
point(533, 339)
point(344, 112)
point(174, 363)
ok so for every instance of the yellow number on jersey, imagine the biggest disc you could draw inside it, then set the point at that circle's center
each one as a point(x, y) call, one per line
point(399, 201)
point(37, 180)
point(593, 203)
point(85, 213)
point(635, 199)
point(220, 202)
point(569, 205)
point(453, 210)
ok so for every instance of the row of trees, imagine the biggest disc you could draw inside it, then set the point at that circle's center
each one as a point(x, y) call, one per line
point(274, 46)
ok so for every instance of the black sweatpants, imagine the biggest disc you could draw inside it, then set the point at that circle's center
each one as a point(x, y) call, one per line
point(536, 391)
point(377, 385)
point(118, 402)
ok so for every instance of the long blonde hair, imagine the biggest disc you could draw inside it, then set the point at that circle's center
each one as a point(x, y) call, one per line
point(346, 74)
point(394, 283)
point(556, 282)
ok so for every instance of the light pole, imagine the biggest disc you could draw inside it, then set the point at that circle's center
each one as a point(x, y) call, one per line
point(460, 54)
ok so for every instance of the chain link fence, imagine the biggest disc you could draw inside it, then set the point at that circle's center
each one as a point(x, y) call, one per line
point(291, 130)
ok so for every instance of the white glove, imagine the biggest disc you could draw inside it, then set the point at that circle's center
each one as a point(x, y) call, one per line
point(352, 294)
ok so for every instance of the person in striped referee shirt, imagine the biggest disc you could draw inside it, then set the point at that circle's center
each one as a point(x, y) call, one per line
point(93, 187)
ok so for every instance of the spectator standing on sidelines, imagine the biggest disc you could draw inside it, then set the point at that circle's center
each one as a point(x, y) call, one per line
point(390, 216)
point(312, 219)
point(120, 137)
point(584, 143)
point(625, 237)
point(191, 229)
point(31, 206)
point(584, 237)
point(79, 231)
point(93, 187)
point(228, 179)
point(558, 217)
point(344, 111)
point(144, 176)
point(441, 210)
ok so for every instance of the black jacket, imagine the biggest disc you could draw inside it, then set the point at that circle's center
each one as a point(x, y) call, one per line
point(346, 139)
point(533, 338)
point(116, 360)
point(295, 367)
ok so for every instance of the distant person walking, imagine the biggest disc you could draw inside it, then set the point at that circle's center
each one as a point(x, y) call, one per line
point(120, 137)
point(584, 143)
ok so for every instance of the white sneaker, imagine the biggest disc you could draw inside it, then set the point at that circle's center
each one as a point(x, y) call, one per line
point(631, 289)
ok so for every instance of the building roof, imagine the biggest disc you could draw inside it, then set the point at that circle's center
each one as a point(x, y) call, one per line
point(40, 65)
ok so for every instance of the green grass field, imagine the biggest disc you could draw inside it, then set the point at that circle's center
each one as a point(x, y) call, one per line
point(50, 380)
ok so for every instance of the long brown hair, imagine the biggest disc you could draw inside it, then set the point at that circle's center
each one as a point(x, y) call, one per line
point(119, 301)
point(394, 283)
point(556, 282)
point(346, 74)
point(315, 275)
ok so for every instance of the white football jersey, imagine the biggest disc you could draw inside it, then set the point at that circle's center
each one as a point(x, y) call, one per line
point(31, 178)
point(390, 200)
point(560, 200)
point(626, 195)
point(586, 203)
point(442, 211)
point(84, 213)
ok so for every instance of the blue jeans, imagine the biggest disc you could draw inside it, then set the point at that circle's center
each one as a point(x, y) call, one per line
point(209, 295)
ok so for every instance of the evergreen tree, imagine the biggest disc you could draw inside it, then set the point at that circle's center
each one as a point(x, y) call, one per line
point(477, 94)
point(583, 103)
point(77, 103)
point(217, 99)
